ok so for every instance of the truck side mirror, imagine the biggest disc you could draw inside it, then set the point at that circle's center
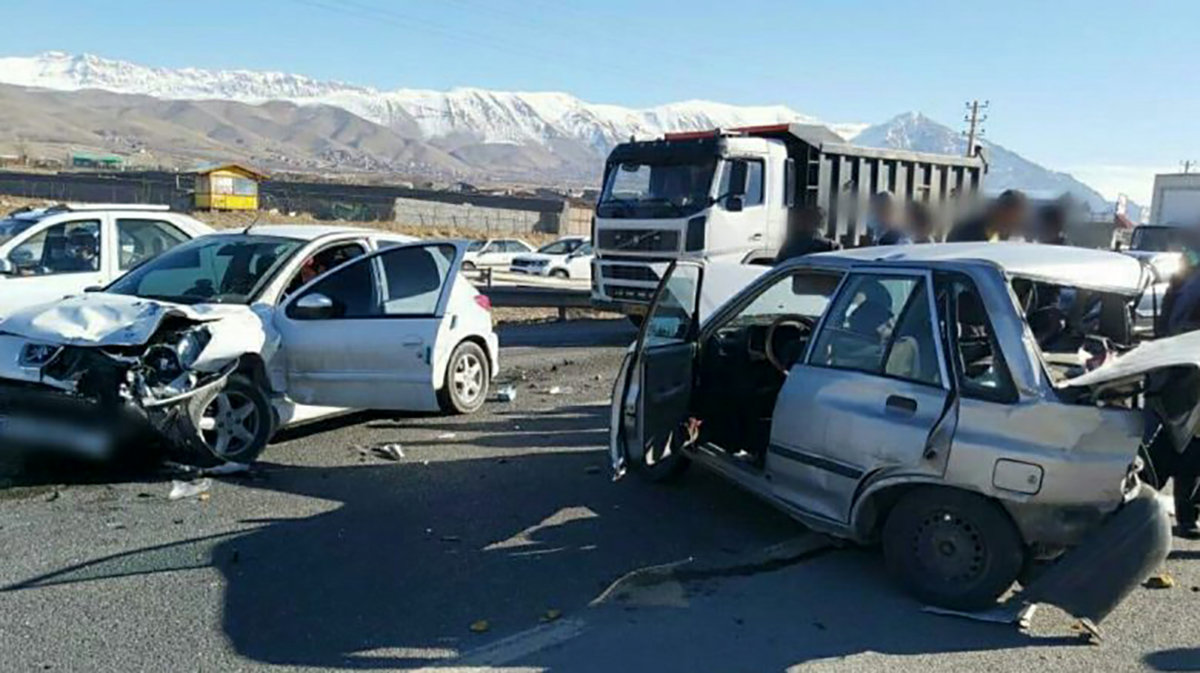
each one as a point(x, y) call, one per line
point(733, 204)
point(6, 267)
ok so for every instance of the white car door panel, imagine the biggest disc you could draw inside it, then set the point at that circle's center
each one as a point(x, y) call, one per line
point(372, 347)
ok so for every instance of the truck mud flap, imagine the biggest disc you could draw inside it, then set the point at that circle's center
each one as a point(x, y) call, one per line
point(1090, 580)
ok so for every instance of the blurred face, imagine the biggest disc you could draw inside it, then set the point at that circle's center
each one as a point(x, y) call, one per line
point(1009, 218)
point(883, 212)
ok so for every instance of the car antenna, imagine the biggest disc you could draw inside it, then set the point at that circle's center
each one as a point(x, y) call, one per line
point(257, 214)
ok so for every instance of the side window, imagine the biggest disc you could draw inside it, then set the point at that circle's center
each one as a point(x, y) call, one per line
point(881, 324)
point(70, 247)
point(978, 361)
point(675, 313)
point(413, 279)
point(353, 292)
point(321, 261)
point(754, 181)
point(139, 240)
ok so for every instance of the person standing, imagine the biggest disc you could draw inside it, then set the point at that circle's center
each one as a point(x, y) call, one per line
point(804, 234)
point(921, 226)
point(1001, 221)
point(1052, 223)
point(883, 222)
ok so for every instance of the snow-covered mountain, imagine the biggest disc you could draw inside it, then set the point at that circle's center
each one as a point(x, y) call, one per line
point(1006, 169)
point(459, 116)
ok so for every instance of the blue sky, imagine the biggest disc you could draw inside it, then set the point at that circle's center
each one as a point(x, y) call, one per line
point(1107, 90)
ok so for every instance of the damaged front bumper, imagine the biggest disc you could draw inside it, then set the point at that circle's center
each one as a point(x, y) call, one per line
point(37, 418)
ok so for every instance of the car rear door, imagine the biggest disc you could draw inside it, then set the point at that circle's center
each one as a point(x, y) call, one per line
point(867, 396)
point(363, 335)
point(654, 388)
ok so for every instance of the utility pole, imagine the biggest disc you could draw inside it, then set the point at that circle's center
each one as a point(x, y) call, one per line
point(1187, 165)
point(975, 117)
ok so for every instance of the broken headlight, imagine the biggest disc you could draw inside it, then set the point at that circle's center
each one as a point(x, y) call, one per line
point(38, 355)
point(168, 361)
point(190, 345)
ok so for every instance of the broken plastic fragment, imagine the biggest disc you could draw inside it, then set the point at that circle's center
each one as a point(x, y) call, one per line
point(392, 452)
point(189, 489)
point(507, 393)
point(1162, 580)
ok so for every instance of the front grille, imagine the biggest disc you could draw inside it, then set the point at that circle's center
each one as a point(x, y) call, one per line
point(629, 272)
point(647, 240)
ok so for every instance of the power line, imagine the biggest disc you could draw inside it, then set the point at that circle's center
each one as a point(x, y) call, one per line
point(975, 117)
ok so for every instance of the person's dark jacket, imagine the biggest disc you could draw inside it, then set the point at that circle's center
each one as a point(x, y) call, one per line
point(798, 246)
point(892, 237)
point(973, 229)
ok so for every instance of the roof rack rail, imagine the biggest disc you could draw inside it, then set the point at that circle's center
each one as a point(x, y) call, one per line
point(85, 207)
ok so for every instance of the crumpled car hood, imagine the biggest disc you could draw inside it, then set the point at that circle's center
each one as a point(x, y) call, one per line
point(100, 319)
point(1177, 351)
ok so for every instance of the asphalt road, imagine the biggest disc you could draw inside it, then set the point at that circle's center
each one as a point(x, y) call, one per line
point(328, 557)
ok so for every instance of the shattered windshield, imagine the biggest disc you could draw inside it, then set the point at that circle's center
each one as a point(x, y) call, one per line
point(210, 269)
point(650, 190)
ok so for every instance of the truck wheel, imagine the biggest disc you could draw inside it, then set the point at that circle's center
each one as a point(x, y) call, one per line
point(559, 273)
point(952, 549)
point(468, 377)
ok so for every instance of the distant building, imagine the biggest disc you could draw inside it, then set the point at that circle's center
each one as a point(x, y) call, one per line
point(227, 187)
point(100, 161)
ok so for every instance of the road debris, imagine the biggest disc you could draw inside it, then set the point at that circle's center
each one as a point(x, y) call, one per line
point(1162, 580)
point(506, 393)
point(197, 488)
point(447, 435)
point(480, 626)
point(558, 390)
point(392, 452)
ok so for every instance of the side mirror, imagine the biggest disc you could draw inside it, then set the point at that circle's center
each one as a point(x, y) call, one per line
point(315, 306)
point(93, 288)
point(6, 267)
point(733, 204)
point(20, 258)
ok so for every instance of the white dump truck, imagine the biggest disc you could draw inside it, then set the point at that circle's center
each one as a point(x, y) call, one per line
point(726, 195)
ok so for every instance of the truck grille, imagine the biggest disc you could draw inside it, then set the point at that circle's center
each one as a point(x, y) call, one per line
point(629, 272)
point(638, 239)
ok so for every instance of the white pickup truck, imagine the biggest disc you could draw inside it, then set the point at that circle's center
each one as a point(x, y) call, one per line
point(49, 253)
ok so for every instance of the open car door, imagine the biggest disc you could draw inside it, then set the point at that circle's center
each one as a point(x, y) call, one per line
point(653, 391)
point(363, 335)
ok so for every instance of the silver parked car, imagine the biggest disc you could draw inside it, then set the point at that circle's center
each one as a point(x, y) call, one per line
point(974, 408)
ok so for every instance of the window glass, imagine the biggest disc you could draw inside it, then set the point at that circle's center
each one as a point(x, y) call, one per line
point(673, 316)
point(753, 192)
point(228, 269)
point(881, 325)
point(139, 240)
point(353, 291)
point(70, 247)
point(561, 247)
point(322, 261)
point(414, 277)
point(805, 293)
point(982, 371)
point(475, 246)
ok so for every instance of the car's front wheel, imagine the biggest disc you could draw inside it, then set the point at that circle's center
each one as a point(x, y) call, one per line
point(237, 424)
point(951, 548)
point(468, 377)
point(559, 273)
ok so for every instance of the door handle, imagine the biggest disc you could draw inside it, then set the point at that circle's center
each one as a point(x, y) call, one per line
point(412, 342)
point(756, 237)
point(897, 404)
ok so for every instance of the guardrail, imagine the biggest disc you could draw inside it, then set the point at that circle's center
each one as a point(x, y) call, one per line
point(516, 290)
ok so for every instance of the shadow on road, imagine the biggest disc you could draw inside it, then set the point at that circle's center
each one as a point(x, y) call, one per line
point(1180, 659)
point(568, 334)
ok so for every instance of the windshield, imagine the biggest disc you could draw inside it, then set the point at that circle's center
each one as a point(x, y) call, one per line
point(12, 226)
point(1157, 239)
point(650, 190)
point(563, 247)
point(210, 269)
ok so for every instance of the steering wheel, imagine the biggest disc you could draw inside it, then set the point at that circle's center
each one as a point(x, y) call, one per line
point(800, 323)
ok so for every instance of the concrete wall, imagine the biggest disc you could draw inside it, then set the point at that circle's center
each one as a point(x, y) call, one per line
point(485, 220)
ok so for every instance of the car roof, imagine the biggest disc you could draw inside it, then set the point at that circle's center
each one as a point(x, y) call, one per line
point(309, 232)
point(1058, 264)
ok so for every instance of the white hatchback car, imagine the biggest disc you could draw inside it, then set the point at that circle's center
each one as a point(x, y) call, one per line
point(568, 257)
point(221, 341)
point(494, 253)
point(48, 253)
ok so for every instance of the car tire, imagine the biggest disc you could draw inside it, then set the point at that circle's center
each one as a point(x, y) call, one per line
point(240, 413)
point(952, 549)
point(468, 377)
point(559, 273)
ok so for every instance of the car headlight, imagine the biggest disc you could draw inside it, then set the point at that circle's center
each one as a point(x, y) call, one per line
point(38, 355)
point(190, 345)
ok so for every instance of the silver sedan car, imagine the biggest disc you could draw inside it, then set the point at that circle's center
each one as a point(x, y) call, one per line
point(977, 409)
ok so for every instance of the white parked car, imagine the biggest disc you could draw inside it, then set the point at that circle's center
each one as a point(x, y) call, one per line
point(48, 253)
point(568, 257)
point(494, 253)
point(221, 341)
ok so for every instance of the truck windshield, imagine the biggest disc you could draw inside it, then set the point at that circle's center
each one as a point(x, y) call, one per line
point(1157, 239)
point(652, 190)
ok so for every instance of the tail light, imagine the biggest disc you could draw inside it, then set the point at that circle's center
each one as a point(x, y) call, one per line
point(484, 302)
